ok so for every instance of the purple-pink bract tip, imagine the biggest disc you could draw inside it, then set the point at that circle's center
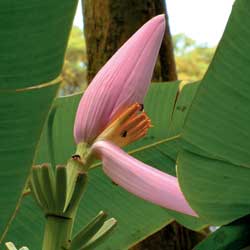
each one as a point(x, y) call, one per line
point(122, 81)
point(141, 179)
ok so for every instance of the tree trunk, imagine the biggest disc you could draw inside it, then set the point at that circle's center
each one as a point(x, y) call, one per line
point(107, 25)
point(172, 237)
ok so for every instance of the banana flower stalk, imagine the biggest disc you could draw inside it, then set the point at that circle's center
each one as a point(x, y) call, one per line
point(110, 115)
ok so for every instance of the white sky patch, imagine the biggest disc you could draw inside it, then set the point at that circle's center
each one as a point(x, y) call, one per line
point(78, 21)
point(202, 20)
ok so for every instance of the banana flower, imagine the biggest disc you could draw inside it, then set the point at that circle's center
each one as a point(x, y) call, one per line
point(110, 115)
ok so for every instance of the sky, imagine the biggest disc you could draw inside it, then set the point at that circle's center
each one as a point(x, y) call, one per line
point(202, 20)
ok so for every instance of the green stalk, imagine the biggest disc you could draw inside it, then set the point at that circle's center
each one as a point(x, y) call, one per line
point(57, 233)
point(60, 218)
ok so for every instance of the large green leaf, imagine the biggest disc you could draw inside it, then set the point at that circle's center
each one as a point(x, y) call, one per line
point(23, 114)
point(33, 38)
point(136, 218)
point(219, 119)
point(215, 175)
point(234, 236)
point(223, 194)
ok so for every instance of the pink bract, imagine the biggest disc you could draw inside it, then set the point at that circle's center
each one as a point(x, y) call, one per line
point(141, 179)
point(122, 81)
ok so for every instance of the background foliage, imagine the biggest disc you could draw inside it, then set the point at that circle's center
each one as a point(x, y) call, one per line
point(74, 72)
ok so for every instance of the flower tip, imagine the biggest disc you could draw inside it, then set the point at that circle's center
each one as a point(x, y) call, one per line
point(159, 19)
point(193, 213)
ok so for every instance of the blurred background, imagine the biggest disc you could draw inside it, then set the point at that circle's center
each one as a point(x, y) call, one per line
point(196, 27)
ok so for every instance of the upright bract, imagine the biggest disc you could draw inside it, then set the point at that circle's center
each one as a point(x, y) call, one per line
point(122, 81)
point(140, 179)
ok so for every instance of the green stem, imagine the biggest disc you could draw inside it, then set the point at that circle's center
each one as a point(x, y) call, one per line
point(57, 233)
point(58, 229)
point(83, 150)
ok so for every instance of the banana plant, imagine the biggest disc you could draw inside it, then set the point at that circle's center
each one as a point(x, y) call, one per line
point(200, 133)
